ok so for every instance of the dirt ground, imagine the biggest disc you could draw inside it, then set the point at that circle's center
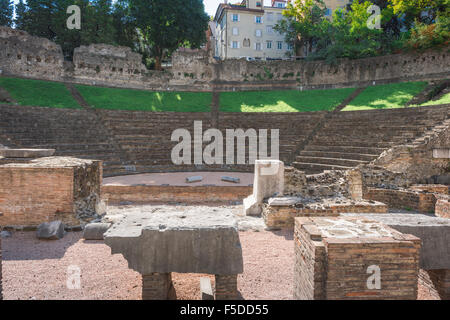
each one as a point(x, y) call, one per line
point(35, 269)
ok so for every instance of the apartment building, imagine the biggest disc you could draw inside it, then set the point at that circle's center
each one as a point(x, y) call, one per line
point(246, 30)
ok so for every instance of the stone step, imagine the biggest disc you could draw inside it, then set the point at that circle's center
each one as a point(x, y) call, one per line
point(331, 161)
point(341, 155)
point(317, 168)
point(345, 149)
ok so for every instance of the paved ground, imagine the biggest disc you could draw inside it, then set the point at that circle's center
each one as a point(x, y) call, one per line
point(34, 269)
point(179, 179)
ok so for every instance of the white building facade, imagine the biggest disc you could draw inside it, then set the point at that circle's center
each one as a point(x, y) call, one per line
point(246, 30)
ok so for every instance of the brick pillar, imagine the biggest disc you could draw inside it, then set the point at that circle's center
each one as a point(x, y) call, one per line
point(156, 286)
point(226, 287)
point(441, 281)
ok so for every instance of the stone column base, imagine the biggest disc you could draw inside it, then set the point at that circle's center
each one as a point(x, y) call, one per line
point(156, 286)
point(226, 287)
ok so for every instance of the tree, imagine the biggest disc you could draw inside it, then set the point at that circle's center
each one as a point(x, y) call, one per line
point(300, 20)
point(21, 10)
point(48, 19)
point(412, 10)
point(6, 13)
point(126, 33)
point(166, 25)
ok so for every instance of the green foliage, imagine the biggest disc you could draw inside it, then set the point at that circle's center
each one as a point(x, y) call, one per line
point(38, 93)
point(6, 12)
point(164, 25)
point(425, 36)
point(48, 19)
point(386, 96)
point(283, 101)
point(127, 99)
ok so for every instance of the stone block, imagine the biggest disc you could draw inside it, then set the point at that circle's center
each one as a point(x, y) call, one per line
point(194, 179)
point(434, 233)
point(50, 230)
point(268, 182)
point(26, 153)
point(95, 231)
point(343, 258)
point(206, 291)
point(201, 240)
point(231, 179)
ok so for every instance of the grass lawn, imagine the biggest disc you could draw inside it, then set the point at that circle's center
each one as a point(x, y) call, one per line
point(386, 96)
point(283, 101)
point(445, 99)
point(38, 93)
point(139, 100)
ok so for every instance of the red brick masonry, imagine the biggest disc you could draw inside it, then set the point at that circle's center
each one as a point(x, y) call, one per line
point(333, 256)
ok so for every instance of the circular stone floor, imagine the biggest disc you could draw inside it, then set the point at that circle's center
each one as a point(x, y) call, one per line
point(179, 179)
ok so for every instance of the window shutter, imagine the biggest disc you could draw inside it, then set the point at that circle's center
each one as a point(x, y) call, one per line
point(239, 44)
point(239, 17)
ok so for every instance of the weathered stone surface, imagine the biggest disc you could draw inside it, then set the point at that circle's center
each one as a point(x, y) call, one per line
point(192, 241)
point(280, 212)
point(434, 233)
point(268, 182)
point(26, 153)
point(194, 179)
point(206, 291)
point(50, 230)
point(231, 179)
point(95, 231)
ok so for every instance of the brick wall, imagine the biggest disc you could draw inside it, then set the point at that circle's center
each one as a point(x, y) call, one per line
point(333, 264)
point(40, 192)
point(403, 199)
point(441, 281)
point(149, 194)
point(442, 208)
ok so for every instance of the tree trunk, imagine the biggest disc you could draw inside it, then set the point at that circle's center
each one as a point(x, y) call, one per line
point(158, 65)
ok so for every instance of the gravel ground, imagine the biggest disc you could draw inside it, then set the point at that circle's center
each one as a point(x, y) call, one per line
point(34, 269)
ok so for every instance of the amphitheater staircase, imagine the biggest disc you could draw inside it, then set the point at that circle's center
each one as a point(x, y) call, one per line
point(349, 139)
point(71, 132)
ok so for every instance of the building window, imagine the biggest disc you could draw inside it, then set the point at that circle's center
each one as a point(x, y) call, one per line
point(235, 31)
point(328, 12)
point(258, 4)
point(269, 29)
point(258, 19)
point(258, 46)
point(235, 17)
point(258, 33)
point(235, 45)
point(290, 46)
point(279, 16)
point(269, 44)
point(270, 16)
point(246, 42)
point(280, 45)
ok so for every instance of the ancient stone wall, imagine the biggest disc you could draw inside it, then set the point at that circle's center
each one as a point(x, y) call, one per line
point(28, 56)
point(403, 199)
point(313, 74)
point(442, 208)
point(48, 189)
point(195, 70)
